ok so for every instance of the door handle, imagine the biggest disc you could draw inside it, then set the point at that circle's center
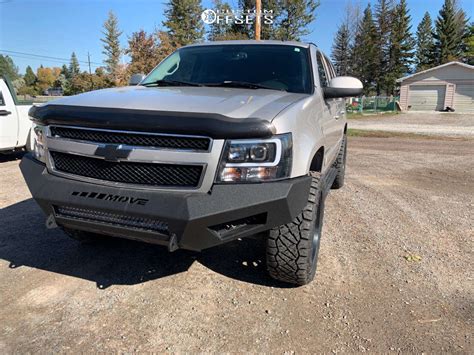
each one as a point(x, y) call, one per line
point(5, 113)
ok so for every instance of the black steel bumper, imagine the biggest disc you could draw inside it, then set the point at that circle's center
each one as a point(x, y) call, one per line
point(193, 221)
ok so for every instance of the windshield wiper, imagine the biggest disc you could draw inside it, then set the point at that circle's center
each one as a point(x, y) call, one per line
point(241, 84)
point(171, 83)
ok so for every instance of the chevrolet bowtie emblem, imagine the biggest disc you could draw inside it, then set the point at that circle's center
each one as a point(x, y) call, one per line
point(112, 152)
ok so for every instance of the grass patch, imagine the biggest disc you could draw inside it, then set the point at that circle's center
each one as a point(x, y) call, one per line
point(385, 134)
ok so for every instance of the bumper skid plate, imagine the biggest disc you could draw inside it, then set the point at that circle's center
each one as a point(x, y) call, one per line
point(187, 220)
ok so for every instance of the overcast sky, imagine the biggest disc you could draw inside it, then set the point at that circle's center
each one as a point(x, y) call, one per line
point(55, 28)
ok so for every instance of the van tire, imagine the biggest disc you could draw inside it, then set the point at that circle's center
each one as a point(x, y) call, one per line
point(340, 165)
point(292, 249)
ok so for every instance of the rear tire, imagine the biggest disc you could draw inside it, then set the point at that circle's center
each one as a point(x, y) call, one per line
point(292, 249)
point(340, 165)
point(85, 237)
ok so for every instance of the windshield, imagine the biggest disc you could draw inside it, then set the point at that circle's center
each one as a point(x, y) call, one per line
point(278, 67)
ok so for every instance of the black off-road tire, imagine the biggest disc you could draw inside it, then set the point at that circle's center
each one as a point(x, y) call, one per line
point(292, 249)
point(85, 237)
point(340, 165)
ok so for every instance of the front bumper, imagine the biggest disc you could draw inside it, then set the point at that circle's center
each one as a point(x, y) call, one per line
point(193, 221)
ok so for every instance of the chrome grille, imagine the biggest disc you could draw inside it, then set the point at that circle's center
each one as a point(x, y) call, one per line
point(132, 138)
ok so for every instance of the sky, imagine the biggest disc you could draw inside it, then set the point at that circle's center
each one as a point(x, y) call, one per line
point(56, 28)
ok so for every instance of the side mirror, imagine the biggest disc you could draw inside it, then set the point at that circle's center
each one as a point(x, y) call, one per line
point(135, 79)
point(343, 86)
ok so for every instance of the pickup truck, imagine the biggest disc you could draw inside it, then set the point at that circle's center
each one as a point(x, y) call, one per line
point(222, 140)
point(14, 121)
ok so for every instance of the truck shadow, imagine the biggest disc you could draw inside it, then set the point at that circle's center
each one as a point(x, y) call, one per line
point(11, 156)
point(25, 241)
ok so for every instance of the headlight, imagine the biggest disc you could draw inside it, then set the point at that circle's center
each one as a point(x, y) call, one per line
point(38, 132)
point(252, 160)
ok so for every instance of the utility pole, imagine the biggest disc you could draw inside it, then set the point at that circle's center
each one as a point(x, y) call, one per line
point(258, 18)
point(89, 61)
point(90, 71)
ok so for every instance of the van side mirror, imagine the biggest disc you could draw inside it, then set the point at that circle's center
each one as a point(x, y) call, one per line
point(135, 79)
point(343, 86)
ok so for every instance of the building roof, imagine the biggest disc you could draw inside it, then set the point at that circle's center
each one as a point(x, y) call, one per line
point(435, 68)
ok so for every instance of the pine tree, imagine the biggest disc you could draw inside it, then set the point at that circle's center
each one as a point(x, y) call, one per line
point(384, 14)
point(294, 19)
point(74, 68)
point(111, 43)
point(341, 50)
point(424, 44)
point(469, 52)
point(448, 35)
point(30, 77)
point(8, 68)
point(401, 47)
point(220, 31)
point(364, 55)
point(183, 20)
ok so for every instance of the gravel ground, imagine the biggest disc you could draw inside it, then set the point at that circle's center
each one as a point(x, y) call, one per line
point(395, 272)
point(439, 124)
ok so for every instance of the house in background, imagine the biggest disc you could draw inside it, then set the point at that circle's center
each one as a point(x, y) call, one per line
point(450, 85)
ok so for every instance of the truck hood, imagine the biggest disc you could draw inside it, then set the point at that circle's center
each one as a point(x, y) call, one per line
point(210, 111)
point(230, 102)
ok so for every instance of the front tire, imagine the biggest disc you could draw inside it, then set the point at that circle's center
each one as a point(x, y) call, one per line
point(293, 248)
point(340, 165)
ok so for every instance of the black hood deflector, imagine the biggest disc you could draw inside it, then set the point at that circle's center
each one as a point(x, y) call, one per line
point(188, 123)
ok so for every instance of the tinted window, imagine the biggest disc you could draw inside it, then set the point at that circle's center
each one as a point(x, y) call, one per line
point(280, 67)
point(323, 76)
point(2, 102)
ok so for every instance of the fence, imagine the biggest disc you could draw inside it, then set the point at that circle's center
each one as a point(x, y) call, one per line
point(372, 104)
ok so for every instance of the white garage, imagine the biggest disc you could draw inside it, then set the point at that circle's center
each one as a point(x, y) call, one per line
point(448, 86)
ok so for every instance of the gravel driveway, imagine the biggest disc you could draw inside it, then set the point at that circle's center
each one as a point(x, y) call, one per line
point(439, 124)
point(395, 272)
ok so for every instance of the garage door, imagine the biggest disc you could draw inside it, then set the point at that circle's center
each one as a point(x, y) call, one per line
point(464, 98)
point(426, 97)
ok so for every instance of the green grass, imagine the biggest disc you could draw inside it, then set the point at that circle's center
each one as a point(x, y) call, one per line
point(384, 134)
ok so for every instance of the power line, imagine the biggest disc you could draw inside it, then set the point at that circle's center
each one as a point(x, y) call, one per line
point(47, 60)
point(48, 57)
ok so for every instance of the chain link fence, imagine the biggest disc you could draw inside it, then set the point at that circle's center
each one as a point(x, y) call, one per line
point(372, 104)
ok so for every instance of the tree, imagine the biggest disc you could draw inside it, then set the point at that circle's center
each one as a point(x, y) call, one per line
point(364, 55)
point(8, 68)
point(164, 46)
point(424, 44)
point(341, 50)
point(74, 68)
point(469, 52)
point(401, 47)
point(111, 43)
point(183, 20)
point(46, 78)
point(294, 19)
point(383, 21)
point(30, 77)
point(449, 33)
point(142, 50)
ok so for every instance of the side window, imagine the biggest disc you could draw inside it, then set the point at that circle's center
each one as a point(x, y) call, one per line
point(2, 101)
point(323, 76)
point(330, 67)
